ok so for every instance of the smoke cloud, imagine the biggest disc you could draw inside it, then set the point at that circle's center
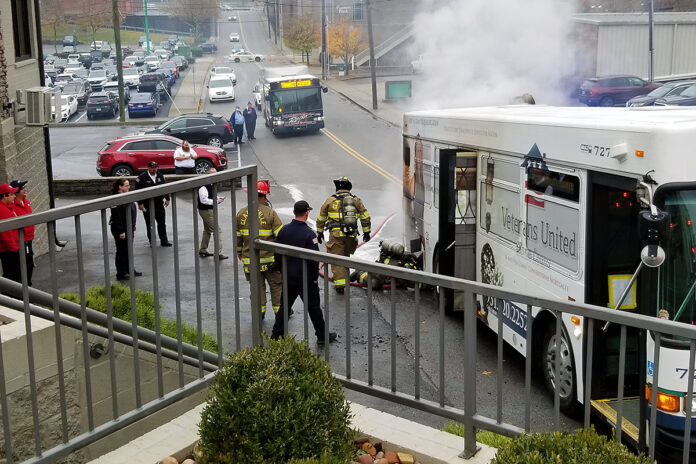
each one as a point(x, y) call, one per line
point(486, 52)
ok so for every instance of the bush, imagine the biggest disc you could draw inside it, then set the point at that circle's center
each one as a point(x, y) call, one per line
point(196, 52)
point(272, 404)
point(584, 446)
point(145, 312)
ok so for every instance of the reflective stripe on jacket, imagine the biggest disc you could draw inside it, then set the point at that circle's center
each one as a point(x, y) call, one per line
point(330, 215)
point(269, 226)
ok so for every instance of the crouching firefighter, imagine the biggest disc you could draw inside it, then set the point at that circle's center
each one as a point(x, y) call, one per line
point(339, 215)
point(393, 254)
point(269, 226)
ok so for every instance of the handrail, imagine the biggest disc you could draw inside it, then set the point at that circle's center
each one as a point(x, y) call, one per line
point(386, 45)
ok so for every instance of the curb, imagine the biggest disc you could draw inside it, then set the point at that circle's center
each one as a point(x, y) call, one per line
point(364, 108)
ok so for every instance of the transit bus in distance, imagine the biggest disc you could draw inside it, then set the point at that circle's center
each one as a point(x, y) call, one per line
point(549, 200)
point(291, 99)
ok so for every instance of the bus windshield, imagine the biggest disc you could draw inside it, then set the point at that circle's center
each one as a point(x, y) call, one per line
point(296, 100)
point(678, 273)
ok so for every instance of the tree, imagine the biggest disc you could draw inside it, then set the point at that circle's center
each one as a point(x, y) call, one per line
point(53, 15)
point(304, 35)
point(345, 40)
point(95, 15)
point(195, 12)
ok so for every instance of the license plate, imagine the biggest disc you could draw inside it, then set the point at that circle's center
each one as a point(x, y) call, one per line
point(140, 106)
point(98, 109)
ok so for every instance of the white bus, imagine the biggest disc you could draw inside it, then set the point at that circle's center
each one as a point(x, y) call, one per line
point(546, 200)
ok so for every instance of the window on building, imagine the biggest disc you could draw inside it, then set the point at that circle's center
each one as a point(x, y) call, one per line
point(357, 11)
point(21, 29)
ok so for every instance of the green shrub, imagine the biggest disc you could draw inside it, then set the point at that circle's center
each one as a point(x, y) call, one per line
point(581, 447)
point(145, 312)
point(196, 51)
point(482, 436)
point(272, 404)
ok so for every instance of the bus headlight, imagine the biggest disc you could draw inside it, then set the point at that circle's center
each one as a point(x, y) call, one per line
point(667, 402)
point(318, 118)
point(693, 404)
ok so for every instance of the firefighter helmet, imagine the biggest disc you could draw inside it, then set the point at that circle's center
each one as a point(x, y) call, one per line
point(343, 183)
point(263, 187)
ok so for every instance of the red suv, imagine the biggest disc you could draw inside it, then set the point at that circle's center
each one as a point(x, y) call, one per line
point(127, 156)
point(613, 90)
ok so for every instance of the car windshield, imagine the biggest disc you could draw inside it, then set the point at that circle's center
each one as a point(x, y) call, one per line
point(98, 98)
point(130, 72)
point(296, 100)
point(223, 70)
point(72, 88)
point(81, 72)
point(63, 100)
point(152, 58)
point(217, 83)
point(664, 90)
point(168, 65)
point(64, 78)
point(588, 84)
point(689, 91)
point(98, 73)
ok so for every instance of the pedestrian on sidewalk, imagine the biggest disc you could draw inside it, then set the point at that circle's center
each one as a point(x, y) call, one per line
point(119, 228)
point(21, 207)
point(269, 226)
point(205, 211)
point(250, 121)
point(9, 240)
point(237, 120)
point(150, 178)
point(184, 159)
point(299, 234)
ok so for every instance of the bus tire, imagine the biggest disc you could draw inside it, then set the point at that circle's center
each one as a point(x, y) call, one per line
point(568, 384)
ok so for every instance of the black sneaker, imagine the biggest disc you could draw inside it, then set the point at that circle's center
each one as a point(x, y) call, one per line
point(122, 276)
point(137, 273)
point(340, 290)
point(332, 338)
point(166, 244)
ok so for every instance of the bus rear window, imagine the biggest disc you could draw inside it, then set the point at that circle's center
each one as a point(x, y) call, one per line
point(554, 183)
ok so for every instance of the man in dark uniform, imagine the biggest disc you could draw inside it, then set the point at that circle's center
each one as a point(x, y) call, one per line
point(298, 234)
point(249, 114)
point(146, 179)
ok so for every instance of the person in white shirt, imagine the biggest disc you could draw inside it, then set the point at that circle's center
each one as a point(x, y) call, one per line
point(205, 210)
point(184, 159)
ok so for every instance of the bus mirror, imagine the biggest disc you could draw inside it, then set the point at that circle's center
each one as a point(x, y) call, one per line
point(652, 255)
point(653, 228)
point(324, 89)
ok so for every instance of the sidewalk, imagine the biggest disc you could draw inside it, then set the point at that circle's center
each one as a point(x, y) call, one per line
point(191, 90)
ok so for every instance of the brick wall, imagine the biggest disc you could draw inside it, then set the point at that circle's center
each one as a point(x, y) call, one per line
point(4, 112)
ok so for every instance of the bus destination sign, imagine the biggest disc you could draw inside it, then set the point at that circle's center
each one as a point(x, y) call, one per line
point(296, 83)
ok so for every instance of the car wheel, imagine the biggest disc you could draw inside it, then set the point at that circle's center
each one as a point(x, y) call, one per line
point(130, 116)
point(121, 170)
point(568, 388)
point(203, 165)
point(257, 59)
point(606, 101)
point(215, 141)
point(236, 60)
point(89, 116)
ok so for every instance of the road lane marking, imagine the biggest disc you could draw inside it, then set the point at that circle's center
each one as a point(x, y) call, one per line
point(81, 116)
point(372, 165)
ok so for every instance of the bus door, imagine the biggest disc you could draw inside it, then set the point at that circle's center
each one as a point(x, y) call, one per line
point(613, 255)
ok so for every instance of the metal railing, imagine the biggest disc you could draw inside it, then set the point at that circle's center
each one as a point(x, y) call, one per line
point(385, 46)
point(222, 285)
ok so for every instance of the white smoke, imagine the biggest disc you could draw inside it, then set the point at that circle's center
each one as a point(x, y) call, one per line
point(486, 52)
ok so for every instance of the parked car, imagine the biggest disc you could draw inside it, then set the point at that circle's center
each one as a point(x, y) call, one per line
point(220, 88)
point(97, 66)
point(67, 49)
point(73, 58)
point(170, 65)
point(173, 39)
point(60, 64)
point(152, 62)
point(232, 18)
point(68, 107)
point(85, 59)
point(165, 44)
point(143, 103)
point(208, 47)
point(97, 79)
point(97, 45)
point(131, 77)
point(210, 129)
point(613, 90)
point(70, 40)
point(113, 87)
point(664, 91)
point(142, 40)
point(97, 55)
point(223, 71)
point(234, 37)
point(246, 55)
point(180, 61)
point(126, 156)
point(63, 79)
point(162, 54)
point(154, 82)
point(134, 60)
point(168, 74)
point(81, 73)
point(102, 103)
point(686, 97)
point(78, 89)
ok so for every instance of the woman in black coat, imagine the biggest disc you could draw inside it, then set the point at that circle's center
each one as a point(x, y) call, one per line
point(119, 228)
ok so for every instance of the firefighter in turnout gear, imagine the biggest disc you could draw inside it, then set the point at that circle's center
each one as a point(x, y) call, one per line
point(393, 254)
point(269, 226)
point(339, 215)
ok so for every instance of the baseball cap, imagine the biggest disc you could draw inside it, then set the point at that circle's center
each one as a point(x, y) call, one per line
point(18, 184)
point(152, 164)
point(301, 207)
point(7, 188)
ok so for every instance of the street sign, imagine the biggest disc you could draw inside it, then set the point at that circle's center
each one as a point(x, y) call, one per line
point(397, 89)
point(344, 9)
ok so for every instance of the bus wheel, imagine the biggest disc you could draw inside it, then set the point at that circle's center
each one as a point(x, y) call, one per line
point(567, 386)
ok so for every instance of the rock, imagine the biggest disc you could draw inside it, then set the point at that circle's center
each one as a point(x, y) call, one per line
point(369, 449)
point(391, 457)
point(381, 461)
point(405, 458)
point(380, 454)
point(366, 459)
point(378, 446)
point(189, 461)
point(361, 440)
point(169, 460)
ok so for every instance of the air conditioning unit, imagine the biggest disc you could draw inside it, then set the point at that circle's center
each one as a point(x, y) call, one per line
point(38, 105)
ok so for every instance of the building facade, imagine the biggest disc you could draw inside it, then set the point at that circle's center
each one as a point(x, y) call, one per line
point(22, 147)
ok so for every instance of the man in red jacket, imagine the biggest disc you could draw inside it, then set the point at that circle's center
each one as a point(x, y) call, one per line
point(21, 207)
point(9, 241)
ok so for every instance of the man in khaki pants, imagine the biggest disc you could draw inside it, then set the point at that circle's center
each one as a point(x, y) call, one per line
point(269, 226)
point(205, 210)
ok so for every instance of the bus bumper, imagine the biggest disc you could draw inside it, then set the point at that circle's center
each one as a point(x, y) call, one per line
point(669, 438)
point(312, 127)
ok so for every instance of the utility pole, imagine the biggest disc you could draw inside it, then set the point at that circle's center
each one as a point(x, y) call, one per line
point(147, 30)
point(275, 22)
point(323, 40)
point(268, 18)
point(116, 20)
point(651, 46)
point(280, 24)
point(372, 54)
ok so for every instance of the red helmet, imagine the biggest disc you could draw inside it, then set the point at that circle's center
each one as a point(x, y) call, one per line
point(263, 187)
